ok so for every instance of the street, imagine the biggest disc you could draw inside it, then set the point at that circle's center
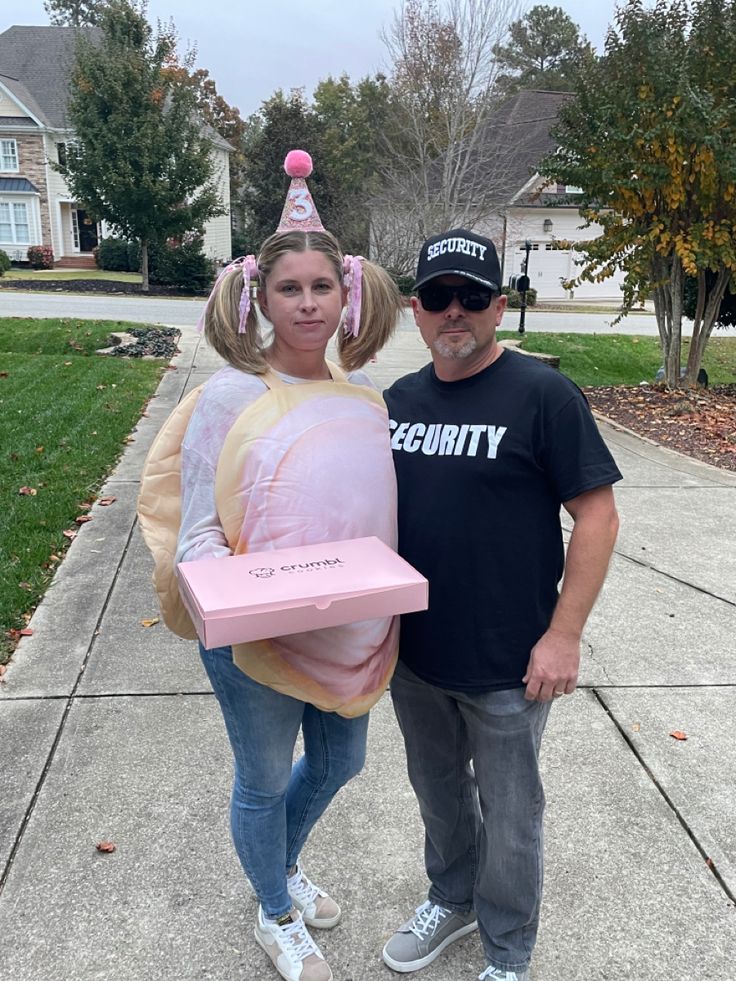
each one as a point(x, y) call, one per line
point(185, 313)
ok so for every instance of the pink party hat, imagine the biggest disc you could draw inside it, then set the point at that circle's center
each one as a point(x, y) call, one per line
point(300, 213)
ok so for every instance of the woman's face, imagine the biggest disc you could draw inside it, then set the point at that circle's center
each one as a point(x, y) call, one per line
point(303, 299)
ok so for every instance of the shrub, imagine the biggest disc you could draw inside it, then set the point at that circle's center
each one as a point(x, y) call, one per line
point(112, 254)
point(182, 264)
point(515, 297)
point(404, 283)
point(4, 262)
point(41, 256)
point(240, 245)
point(134, 257)
point(727, 311)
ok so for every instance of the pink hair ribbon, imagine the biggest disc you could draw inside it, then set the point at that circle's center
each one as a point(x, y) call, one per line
point(250, 272)
point(353, 279)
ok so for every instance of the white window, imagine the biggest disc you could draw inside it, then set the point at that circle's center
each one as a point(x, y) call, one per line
point(14, 226)
point(8, 155)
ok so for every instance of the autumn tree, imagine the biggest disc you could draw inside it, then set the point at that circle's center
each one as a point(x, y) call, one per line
point(440, 166)
point(217, 112)
point(74, 13)
point(543, 48)
point(141, 161)
point(650, 137)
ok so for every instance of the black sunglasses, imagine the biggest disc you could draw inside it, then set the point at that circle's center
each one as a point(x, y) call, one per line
point(438, 296)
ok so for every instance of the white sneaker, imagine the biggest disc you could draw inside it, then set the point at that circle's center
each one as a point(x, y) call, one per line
point(492, 973)
point(294, 954)
point(317, 908)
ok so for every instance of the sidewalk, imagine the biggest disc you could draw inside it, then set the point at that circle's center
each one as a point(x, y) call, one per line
point(109, 732)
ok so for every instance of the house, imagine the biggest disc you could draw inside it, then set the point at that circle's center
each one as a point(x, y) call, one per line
point(36, 206)
point(536, 212)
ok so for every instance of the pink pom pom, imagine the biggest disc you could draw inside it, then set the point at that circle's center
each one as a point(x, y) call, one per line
point(298, 163)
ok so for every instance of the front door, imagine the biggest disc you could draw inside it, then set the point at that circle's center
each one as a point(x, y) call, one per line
point(88, 239)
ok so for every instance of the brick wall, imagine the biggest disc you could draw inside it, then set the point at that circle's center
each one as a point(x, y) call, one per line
point(32, 163)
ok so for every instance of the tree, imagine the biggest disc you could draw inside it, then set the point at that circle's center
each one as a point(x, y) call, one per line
point(348, 118)
point(74, 13)
point(219, 114)
point(283, 123)
point(650, 137)
point(141, 162)
point(440, 167)
point(543, 48)
point(338, 128)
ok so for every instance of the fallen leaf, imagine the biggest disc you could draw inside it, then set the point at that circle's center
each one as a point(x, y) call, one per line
point(39, 449)
point(107, 847)
point(3, 374)
point(67, 363)
point(83, 519)
point(709, 863)
point(25, 585)
point(679, 735)
point(70, 533)
point(106, 501)
point(28, 491)
point(26, 632)
point(3, 669)
point(129, 439)
point(150, 622)
point(636, 727)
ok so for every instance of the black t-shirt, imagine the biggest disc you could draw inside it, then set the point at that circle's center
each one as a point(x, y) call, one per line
point(483, 465)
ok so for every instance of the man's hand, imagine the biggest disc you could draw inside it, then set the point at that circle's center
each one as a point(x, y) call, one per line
point(555, 658)
point(553, 666)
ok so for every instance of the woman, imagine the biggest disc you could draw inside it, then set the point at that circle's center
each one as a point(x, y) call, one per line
point(283, 449)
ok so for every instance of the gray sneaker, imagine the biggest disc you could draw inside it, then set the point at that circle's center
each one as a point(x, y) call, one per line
point(492, 973)
point(425, 936)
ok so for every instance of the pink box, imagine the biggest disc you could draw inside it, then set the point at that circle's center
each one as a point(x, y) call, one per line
point(268, 594)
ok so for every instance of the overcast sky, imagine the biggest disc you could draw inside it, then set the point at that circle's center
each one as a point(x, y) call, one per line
point(253, 47)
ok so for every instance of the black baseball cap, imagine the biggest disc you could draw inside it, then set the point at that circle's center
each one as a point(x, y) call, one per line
point(461, 253)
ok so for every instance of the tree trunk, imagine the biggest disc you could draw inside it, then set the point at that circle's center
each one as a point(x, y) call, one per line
point(144, 265)
point(674, 355)
point(704, 322)
point(667, 275)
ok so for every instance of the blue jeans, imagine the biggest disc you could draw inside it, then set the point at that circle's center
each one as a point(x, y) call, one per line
point(473, 764)
point(275, 805)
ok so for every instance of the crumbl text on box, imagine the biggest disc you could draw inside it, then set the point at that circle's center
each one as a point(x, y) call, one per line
point(265, 572)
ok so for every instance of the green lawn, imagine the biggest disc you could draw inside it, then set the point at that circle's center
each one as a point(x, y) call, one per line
point(64, 416)
point(30, 275)
point(617, 359)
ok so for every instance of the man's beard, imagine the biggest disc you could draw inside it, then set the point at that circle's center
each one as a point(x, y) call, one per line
point(456, 352)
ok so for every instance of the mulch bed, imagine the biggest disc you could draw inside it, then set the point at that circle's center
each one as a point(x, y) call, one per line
point(698, 422)
point(150, 342)
point(96, 286)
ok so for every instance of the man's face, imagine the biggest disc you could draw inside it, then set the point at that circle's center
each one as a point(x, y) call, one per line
point(461, 341)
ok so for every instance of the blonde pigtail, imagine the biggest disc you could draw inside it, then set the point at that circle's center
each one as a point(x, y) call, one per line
point(380, 308)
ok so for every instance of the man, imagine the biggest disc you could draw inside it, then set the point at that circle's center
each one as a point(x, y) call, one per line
point(487, 444)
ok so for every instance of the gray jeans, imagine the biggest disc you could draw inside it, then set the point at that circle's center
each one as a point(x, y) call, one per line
point(473, 763)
